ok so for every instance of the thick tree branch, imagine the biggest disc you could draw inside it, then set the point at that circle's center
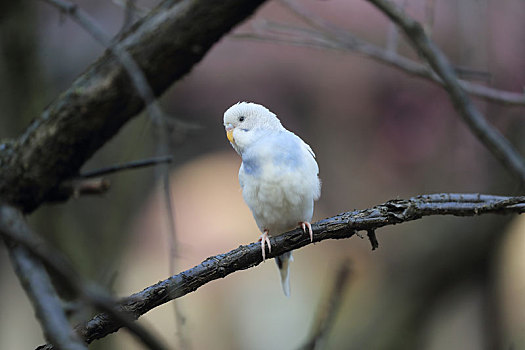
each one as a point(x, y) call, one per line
point(344, 225)
point(488, 135)
point(166, 44)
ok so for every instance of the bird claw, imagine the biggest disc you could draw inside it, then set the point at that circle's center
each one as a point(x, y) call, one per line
point(304, 226)
point(265, 240)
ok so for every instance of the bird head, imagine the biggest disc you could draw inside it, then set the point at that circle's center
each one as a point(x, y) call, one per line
point(243, 122)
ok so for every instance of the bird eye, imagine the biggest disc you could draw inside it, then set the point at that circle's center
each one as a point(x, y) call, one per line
point(241, 119)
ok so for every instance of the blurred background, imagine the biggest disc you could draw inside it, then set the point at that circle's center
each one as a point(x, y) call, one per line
point(378, 133)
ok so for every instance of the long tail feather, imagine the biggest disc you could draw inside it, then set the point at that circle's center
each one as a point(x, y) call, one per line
point(283, 263)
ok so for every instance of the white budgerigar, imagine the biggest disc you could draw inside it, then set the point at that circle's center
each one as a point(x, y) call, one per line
point(278, 175)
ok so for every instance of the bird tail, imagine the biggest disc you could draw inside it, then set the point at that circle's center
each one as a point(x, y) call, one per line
point(283, 263)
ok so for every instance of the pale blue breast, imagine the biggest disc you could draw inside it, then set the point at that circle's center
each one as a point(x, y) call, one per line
point(281, 149)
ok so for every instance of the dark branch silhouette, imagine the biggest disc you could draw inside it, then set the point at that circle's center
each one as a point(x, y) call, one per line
point(324, 35)
point(344, 225)
point(329, 307)
point(43, 296)
point(493, 140)
point(102, 100)
point(138, 164)
point(29, 253)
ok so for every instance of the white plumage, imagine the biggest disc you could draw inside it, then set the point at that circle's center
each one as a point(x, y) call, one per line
point(278, 175)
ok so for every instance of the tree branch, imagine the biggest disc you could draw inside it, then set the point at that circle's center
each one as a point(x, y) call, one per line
point(496, 143)
point(28, 252)
point(166, 44)
point(79, 187)
point(46, 303)
point(328, 308)
point(344, 225)
point(137, 164)
point(38, 287)
point(329, 37)
point(347, 42)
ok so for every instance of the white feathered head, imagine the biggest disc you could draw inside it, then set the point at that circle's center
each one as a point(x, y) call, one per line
point(244, 120)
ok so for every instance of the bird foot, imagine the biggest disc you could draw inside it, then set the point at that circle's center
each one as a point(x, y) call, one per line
point(265, 240)
point(306, 225)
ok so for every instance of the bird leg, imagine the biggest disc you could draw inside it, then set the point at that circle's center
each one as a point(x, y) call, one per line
point(265, 240)
point(304, 226)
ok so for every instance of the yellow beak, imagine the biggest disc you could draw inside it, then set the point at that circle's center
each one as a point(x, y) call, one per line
point(229, 135)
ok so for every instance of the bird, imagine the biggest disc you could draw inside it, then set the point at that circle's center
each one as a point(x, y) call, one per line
point(279, 175)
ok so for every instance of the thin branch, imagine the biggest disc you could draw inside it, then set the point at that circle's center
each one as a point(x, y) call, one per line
point(394, 60)
point(341, 226)
point(136, 10)
point(430, 9)
point(133, 69)
point(46, 303)
point(22, 240)
point(334, 38)
point(486, 133)
point(79, 187)
point(172, 254)
point(327, 310)
point(39, 288)
point(131, 12)
point(127, 166)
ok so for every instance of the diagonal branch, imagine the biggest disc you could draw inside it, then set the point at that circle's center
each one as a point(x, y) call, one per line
point(328, 36)
point(328, 308)
point(38, 287)
point(165, 44)
point(46, 303)
point(28, 252)
point(486, 133)
point(344, 225)
point(346, 42)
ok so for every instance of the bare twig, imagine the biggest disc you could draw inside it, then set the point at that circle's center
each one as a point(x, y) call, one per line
point(127, 166)
point(383, 56)
point(79, 187)
point(38, 287)
point(133, 6)
point(327, 310)
point(328, 36)
point(341, 226)
point(131, 12)
point(392, 41)
point(15, 230)
point(133, 69)
point(172, 253)
point(430, 9)
point(373, 239)
point(488, 135)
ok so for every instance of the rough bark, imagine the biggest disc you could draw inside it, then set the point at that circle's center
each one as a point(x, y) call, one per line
point(166, 44)
point(341, 226)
